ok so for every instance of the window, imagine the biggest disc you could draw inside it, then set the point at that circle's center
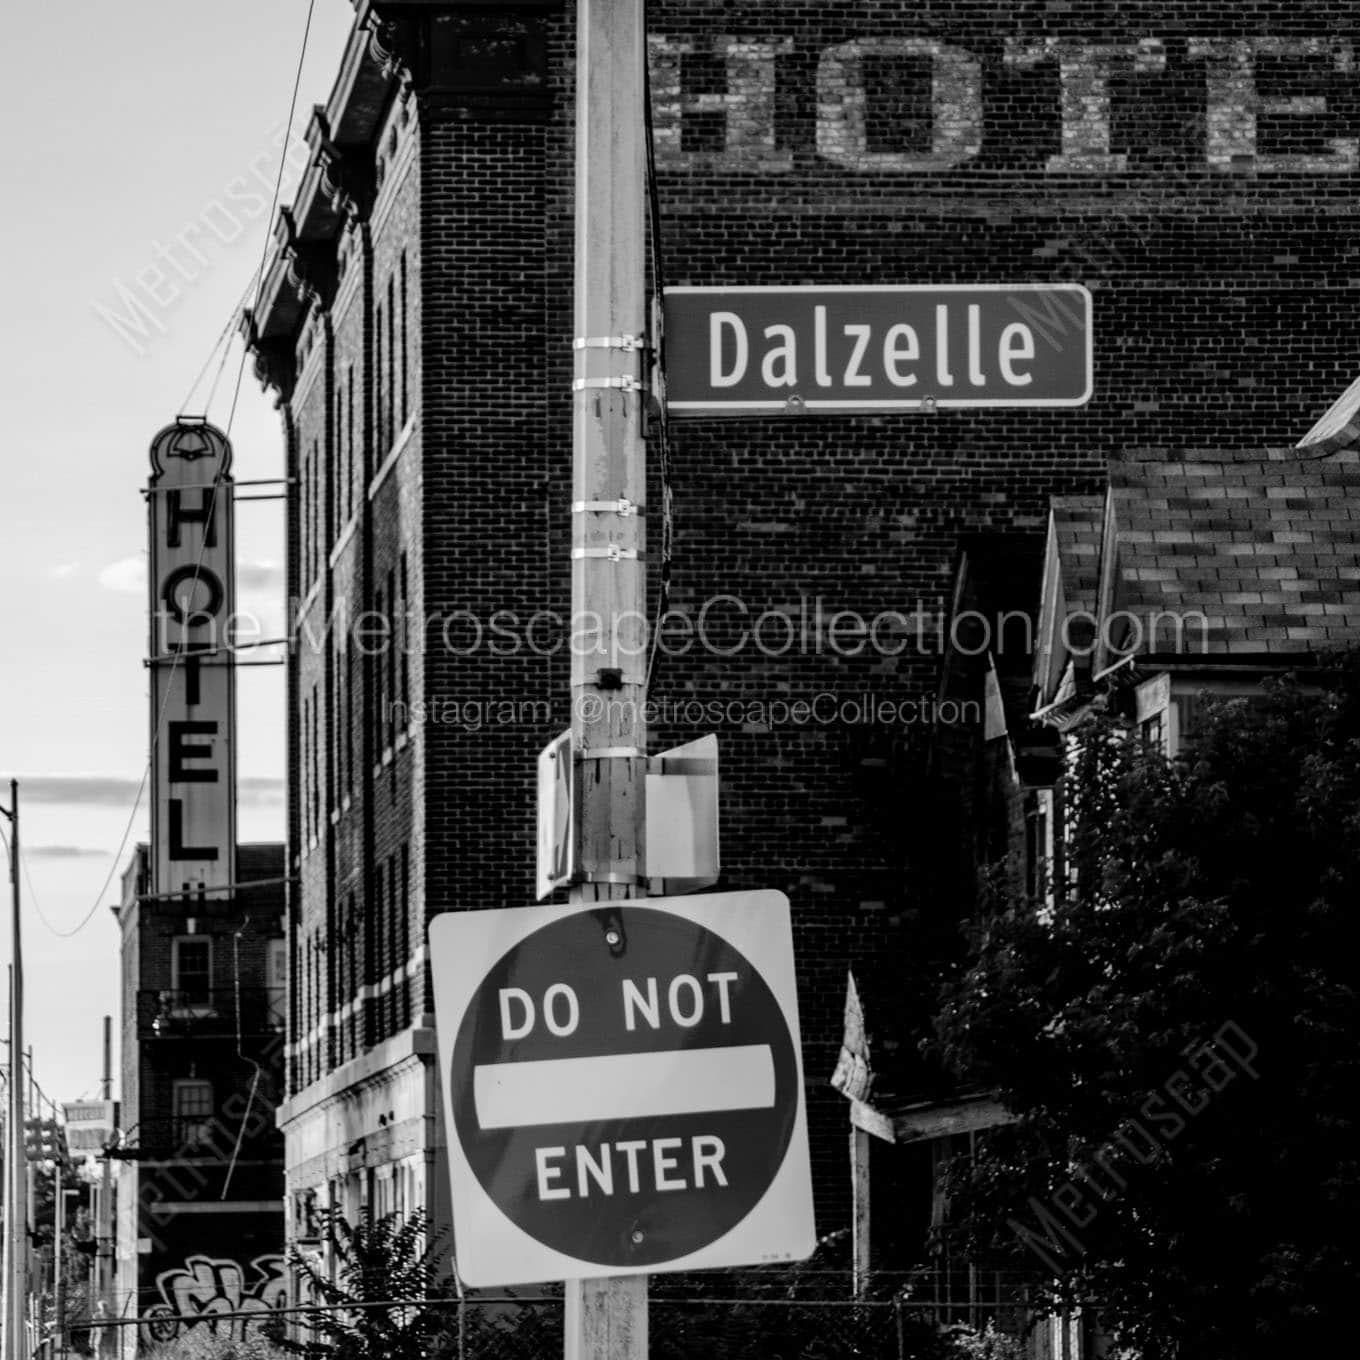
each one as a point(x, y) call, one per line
point(349, 441)
point(337, 480)
point(393, 646)
point(304, 491)
point(192, 1106)
point(1156, 715)
point(316, 529)
point(306, 739)
point(397, 954)
point(391, 358)
point(379, 414)
point(191, 970)
point(350, 732)
point(310, 514)
point(339, 720)
point(1039, 847)
point(379, 682)
point(332, 482)
point(404, 369)
point(314, 774)
point(404, 935)
point(305, 1218)
point(278, 983)
point(376, 966)
point(333, 729)
point(404, 655)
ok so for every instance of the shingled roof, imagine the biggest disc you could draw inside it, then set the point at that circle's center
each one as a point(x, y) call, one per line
point(1076, 537)
point(1256, 552)
point(1071, 579)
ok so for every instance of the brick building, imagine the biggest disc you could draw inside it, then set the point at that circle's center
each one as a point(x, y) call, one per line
point(1195, 165)
point(200, 1159)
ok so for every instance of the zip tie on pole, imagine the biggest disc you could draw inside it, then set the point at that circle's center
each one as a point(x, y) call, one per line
point(626, 383)
point(627, 343)
point(623, 507)
point(613, 553)
point(622, 678)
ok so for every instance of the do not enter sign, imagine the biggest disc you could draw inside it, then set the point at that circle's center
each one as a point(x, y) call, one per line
point(623, 1087)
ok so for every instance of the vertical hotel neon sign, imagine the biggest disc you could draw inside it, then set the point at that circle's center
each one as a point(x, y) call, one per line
point(193, 677)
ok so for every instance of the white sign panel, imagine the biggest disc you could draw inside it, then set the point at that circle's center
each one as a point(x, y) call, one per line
point(89, 1125)
point(556, 830)
point(193, 710)
point(682, 817)
point(623, 1086)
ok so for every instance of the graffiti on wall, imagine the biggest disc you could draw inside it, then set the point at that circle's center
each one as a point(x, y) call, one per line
point(207, 1290)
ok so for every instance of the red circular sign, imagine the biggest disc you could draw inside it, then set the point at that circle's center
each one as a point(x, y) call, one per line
point(624, 1086)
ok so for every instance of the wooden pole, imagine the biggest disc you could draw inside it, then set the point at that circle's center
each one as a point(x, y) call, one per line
point(16, 1253)
point(859, 1218)
point(606, 1319)
point(58, 1276)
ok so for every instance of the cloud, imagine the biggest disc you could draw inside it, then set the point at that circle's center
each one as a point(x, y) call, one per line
point(88, 790)
point(96, 790)
point(127, 576)
point(259, 791)
point(63, 571)
point(259, 575)
point(64, 852)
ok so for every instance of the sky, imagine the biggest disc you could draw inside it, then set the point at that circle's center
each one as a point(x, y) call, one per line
point(145, 138)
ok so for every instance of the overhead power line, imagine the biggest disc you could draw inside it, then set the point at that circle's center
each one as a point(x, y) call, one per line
point(274, 202)
point(253, 287)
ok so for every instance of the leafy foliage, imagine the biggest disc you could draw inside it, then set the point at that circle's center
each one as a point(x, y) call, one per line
point(204, 1343)
point(1179, 1038)
point(378, 1261)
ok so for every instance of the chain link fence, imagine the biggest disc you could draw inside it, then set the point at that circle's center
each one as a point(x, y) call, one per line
point(798, 1313)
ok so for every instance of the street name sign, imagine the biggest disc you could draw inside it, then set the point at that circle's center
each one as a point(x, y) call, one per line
point(623, 1087)
point(735, 351)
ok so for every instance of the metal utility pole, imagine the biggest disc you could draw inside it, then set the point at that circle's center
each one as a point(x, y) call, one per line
point(16, 1225)
point(606, 1319)
point(30, 1178)
point(103, 1243)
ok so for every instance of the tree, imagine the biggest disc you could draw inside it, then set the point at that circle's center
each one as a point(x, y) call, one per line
point(1178, 1039)
point(379, 1261)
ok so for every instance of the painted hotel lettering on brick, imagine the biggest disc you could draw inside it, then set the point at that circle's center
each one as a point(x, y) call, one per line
point(872, 348)
point(1248, 121)
point(192, 680)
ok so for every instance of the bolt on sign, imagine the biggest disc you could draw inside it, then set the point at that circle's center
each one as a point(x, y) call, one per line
point(193, 708)
point(623, 1087)
point(876, 348)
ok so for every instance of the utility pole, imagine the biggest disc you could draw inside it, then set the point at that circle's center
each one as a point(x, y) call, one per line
point(30, 1177)
point(103, 1242)
point(606, 1318)
point(16, 1225)
point(58, 1265)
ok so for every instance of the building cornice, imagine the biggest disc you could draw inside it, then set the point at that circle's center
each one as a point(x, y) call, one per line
point(483, 62)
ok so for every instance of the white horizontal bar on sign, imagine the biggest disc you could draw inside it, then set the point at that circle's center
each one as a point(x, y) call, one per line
point(624, 1086)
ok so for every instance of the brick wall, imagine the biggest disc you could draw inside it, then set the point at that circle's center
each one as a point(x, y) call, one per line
point(225, 1036)
point(816, 143)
